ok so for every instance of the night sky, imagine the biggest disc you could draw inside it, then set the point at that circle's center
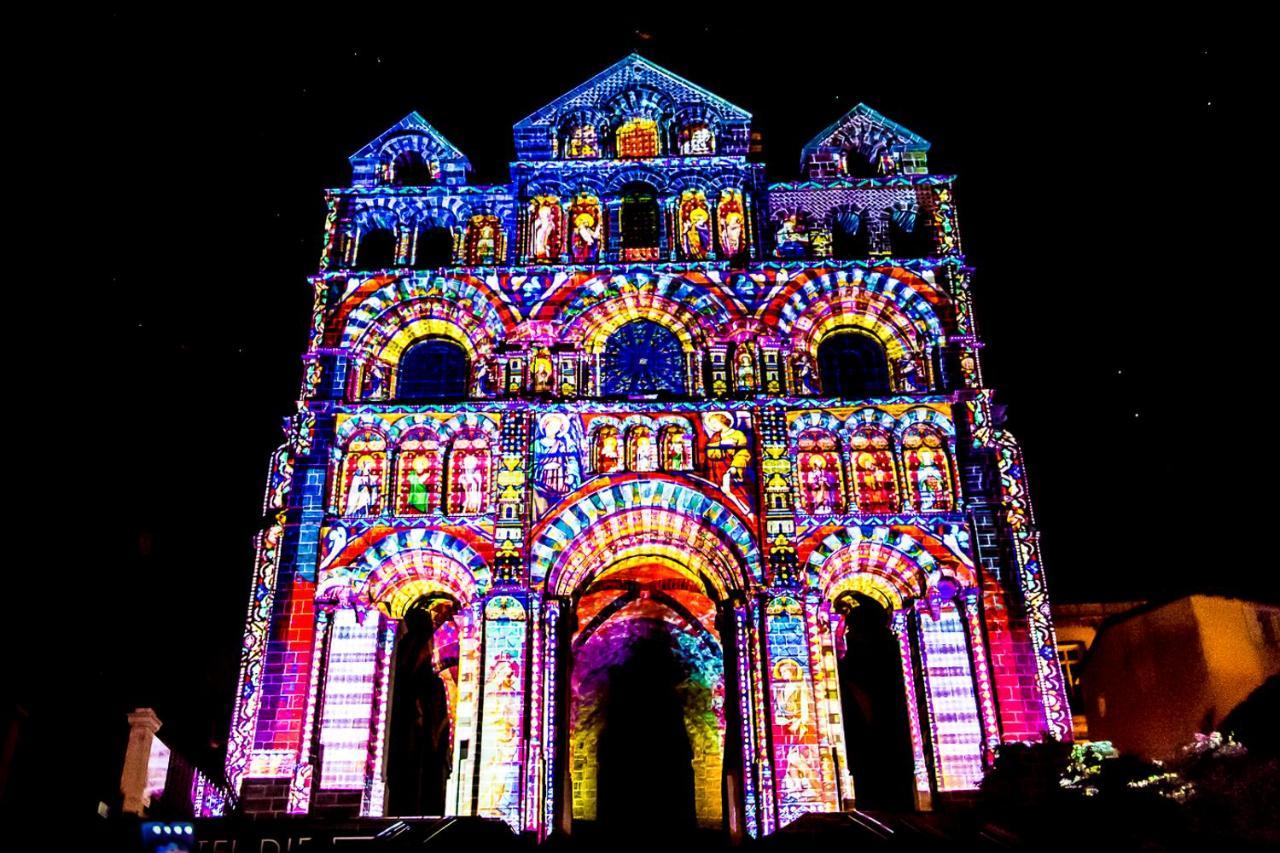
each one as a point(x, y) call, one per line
point(1086, 164)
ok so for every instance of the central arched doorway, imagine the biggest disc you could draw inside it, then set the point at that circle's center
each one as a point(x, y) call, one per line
point(874, 704)
point(647, 706)
point(648, 602)
point(420, 753)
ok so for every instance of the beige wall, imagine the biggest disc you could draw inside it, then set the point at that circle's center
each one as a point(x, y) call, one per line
point(1155, 678)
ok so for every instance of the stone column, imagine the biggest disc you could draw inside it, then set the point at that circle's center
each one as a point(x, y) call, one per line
point(143, 725)
point(923, 789)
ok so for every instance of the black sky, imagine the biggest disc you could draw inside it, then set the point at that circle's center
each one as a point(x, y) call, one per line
point(1086, 161)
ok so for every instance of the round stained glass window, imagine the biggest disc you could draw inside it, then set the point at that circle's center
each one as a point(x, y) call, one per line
point(643, 358)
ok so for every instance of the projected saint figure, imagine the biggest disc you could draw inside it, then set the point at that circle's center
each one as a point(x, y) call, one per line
point(363, 488)
point(545, 229)
point(821, 488)
point(728, 455)
point(586, 237)
point(420, 484)
point(557, 469)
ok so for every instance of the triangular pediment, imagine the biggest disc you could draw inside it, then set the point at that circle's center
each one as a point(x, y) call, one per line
point(412, 136)
point(631, 72)
point(412, 125)
point(866, 133)
point(634, 87)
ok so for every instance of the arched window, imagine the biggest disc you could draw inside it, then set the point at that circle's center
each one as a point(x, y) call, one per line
point(731, 214)
point(432, 369)
point(642, 450)
point(409, 169)
point(696, 139)
point(924, 453)
point(469, 474)
point(587, 234)
point(821, 479)
point(606, 454)
point(643, 357)
point(640, 223)
point(875, 482)
point(850, 237)
point(637, 137)
point(418, 464)
point(432, 247)
point(695, 226)
point(486, 244)
point(908, 236)
point(361, 476)
point(546, 228)
point(581, 142)
point(676, 448)
point(853, 366)
point(376, 250)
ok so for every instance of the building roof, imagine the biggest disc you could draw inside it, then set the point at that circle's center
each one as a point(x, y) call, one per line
point(625, 74)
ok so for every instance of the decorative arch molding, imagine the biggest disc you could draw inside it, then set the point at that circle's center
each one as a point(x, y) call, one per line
point(583, 515)
point(896, 554)
point(636, 174)
point(816, 420)
point(871, 314)
point(467, 421)
point(403, 425)
point(377, 213)
point(387, 343)
point(640, 101)
point(712, 569)
point(706, 304)
point(923, 415)
point(593, 328)
point(869, 417)
point(434, 557)
point(415, 140)
point(438, 211)
point(916, 309)
point(460, 296)
point(351, 426)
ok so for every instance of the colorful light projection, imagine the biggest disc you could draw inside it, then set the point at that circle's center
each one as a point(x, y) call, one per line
point(636, 138)
point(820, 473)
point(587, 235)
point(797, 752)
point(928, 470)
point(707, 358)
point(501, 744)
point(875, 480)
point(348, 715)
point(956, 726)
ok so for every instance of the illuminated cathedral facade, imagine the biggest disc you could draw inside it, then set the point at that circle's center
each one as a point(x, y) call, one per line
point(639, 402)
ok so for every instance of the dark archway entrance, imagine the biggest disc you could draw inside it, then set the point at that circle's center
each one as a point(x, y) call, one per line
point(419, 756)
point(873, 699)
point(645, 776)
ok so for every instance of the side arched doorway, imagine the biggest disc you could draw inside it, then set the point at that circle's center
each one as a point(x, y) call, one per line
point(874, 703)
point(420, 745)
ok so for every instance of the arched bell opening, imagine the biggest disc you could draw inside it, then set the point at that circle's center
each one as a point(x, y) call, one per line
point(423, 702)
point(873, 700)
